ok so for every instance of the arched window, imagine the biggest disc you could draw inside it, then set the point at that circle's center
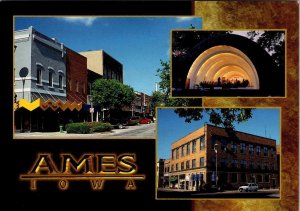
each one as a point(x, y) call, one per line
point(60, 81)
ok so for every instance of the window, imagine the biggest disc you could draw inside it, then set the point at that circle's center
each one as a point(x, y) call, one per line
point(251, 165)
point(233, 177)
point(60, 82)
point(266, 151)
point(251, 149)
point(266, 166)
point(202, 162)
point(243, 177)
point(39, 76)
point(202, 145)
point(243, 148)
point(194, 146)
point(176, 166)
point(194, 163)
point(177, 153)
point(258, 150)
point(51, 79)
point(234, 163)
point(77, 86)
point(172, 168)
point(259, 165)
point(182, 165)
point(243, 164)
point(223, 163)
point(233, 147)
point(272, 152)
point(182, 151)
point(267, 178)
point(173, 154)
point(223, 144)
point(83, 88)
point(70, 84)
point(187, 164)
point(188, 148)
point(259, 178)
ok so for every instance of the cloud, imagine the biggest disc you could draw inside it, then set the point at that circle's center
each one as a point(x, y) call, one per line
point(184, 19)
point(85, 21)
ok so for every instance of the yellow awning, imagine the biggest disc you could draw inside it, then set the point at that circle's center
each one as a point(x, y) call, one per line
point(44, 105)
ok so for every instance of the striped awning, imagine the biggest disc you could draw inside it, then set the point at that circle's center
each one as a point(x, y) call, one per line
point(48, 104)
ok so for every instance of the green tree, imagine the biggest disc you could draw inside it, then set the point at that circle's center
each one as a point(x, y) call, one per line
point(111, 94)
point(224, 117)
point(164, 86)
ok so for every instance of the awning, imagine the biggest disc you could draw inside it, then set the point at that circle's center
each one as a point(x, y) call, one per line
point(44, 105)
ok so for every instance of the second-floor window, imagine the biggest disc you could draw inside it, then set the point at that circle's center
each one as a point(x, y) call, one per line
point(51, 79)
point(234, 163)
point(194, 146)
point(243, 164)
point(39, 76)
point(176, 166)
point(251, 165)
point(182, 151)
point(265, 151)
point(177, 153)
point(258, 150)
point(83, 88)
point(187, 164)
point(194, 163)
point(182, 165)
point(201, 161)
point(188, 148)
point(251, 149)
point(243, 147)
point(233, 147)
point(60, 81)
point(77, 86)
point(202, 145)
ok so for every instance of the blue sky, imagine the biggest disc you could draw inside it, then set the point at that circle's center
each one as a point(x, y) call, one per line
point(265, 122)
point(137, 42)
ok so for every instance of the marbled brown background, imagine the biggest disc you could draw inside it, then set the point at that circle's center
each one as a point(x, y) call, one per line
point(262, 15)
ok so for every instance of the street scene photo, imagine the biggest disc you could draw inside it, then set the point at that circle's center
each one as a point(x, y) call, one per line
point(249, 63)
point(218, 153)
point(90, 77)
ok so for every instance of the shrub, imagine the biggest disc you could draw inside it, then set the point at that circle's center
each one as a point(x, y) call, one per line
point(101, 127)
point(79, 127)
point(87, 127)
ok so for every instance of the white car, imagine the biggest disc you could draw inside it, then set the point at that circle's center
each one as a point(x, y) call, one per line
point(251, 187)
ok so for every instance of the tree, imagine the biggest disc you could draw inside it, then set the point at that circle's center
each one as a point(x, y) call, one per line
point(164, 85)
point(224, 117)
point(111, 94)
point(271, 41)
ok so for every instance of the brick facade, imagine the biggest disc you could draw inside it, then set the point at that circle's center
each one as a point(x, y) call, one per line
point(240, 159)
point(76, 77)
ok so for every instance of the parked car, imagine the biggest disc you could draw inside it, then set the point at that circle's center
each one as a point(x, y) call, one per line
point(145, 121)
point(133, 120)
point(117, 123)
point(251, 187)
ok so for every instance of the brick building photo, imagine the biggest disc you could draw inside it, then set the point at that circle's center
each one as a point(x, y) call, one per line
point(209, 157)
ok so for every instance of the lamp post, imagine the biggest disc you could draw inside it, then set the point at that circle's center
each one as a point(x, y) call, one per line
point(216, 151)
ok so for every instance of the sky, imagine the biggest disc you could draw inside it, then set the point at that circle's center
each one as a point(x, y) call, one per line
point(139, 43)
point(265, 122)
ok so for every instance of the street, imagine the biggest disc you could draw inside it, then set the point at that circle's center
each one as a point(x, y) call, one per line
point(135, 131)
point(263, 193)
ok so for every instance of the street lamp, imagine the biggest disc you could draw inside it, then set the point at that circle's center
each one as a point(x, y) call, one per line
point(216, 151)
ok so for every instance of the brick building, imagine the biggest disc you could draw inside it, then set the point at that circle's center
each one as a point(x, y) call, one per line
point(240, 159)
point(76, 77)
